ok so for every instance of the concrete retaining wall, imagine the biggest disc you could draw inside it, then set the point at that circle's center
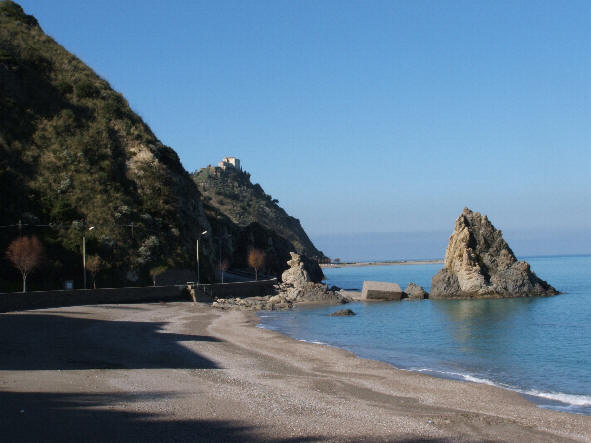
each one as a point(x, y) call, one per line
point(18, 301)
point(237, 289)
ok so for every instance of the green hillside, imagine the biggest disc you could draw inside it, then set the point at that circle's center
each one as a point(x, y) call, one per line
point(74, 155)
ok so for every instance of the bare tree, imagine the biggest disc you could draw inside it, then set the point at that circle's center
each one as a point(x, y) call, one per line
point(256, 259)
point(94, 264)
point(224, 266)
point(25, 254)
point(156, 271)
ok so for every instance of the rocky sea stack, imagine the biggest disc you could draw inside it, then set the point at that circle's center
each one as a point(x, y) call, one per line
point(479, 263)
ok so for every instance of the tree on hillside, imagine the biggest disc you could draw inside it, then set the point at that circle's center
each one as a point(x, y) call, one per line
point(156, 271)
point(94, 264)
point(256, 259)
point(25, 254)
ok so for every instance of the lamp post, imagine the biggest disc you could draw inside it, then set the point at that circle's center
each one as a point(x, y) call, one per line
point(197, 255)
point(84, 254)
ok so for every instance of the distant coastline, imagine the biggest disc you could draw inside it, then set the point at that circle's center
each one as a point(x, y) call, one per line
point(381, 263)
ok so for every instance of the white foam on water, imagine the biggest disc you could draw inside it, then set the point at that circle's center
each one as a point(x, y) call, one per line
point(459, 375)
point(311, 341)
point(570, 400)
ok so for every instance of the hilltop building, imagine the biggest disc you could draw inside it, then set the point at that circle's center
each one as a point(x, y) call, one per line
point(230, 162)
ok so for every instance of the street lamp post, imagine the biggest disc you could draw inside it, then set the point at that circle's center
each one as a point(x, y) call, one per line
point(84, 254)
point(197, 255)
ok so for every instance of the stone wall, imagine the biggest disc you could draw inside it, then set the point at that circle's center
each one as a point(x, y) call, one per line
point(18, 301)
point(231, 290)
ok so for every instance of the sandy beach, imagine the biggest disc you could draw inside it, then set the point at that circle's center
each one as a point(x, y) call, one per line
point(184, 372)
point(381, 263)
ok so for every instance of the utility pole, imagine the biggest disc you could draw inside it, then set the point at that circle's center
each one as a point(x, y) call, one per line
point(84, 258)
point(84, 255)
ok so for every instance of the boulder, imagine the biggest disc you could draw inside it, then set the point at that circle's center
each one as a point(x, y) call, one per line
point(277, 299)
point(379, 290)
point(342, 313)
point(479, 263)
point(415, 292)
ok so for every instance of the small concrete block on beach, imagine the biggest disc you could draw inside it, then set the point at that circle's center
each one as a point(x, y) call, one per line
point(380, 290)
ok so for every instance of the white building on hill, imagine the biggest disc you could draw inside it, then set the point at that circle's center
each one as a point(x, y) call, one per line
point(230, 162)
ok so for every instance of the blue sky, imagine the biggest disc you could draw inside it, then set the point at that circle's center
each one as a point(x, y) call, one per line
point(365, 117)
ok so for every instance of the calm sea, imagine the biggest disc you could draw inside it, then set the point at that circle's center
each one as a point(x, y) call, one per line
point(540, 347)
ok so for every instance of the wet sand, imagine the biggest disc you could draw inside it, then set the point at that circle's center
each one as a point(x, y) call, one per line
point(184, 372)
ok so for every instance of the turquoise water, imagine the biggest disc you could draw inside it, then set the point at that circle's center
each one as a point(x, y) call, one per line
point(540, 347)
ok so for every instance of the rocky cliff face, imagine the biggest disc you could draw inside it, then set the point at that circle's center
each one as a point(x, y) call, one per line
point(251, 217)
point(232, 193)
point(480, 263)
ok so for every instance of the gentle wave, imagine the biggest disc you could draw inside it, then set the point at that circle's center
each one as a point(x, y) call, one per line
point(311, 341)
point(567, 399)
point(460, 376)
point(570, 400)
point(271, 328)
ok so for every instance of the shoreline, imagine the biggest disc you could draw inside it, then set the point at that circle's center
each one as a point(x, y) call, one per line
point(252, 320)
point(381, 263)
point(192, 372)
point(538, 398)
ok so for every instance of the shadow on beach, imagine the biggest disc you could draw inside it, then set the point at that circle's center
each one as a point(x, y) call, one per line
point(30, 417)
point(52, 342)
point(53, 417)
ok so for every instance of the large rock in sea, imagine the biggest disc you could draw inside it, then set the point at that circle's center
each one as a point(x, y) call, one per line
point(479, 263)
point(415, 292)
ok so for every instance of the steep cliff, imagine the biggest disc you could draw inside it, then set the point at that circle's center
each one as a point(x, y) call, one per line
point(74, 155)
point(231, 195)
point(480, 263)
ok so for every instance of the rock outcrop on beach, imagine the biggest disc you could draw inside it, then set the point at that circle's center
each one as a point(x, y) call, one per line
point(296, 287)
point(415, 292)
point(296, 275)
point(287, 296)
point(480, 263)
